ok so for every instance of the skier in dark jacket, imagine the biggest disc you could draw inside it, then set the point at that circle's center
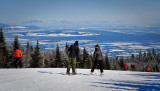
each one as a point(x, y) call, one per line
point(18, 57)
point(97, 57)
point(73, 55)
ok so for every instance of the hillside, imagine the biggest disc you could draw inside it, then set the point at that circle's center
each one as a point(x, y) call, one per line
point(55, 79)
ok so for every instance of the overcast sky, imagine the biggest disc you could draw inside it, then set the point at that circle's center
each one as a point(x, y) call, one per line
point(80, 12)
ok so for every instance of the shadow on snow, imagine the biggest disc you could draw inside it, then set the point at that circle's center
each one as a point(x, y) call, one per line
point(151, 83)
point(148, 75)
point(45, 72)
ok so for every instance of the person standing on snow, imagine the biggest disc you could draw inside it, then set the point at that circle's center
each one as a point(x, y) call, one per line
point(148, 69)
point(125, 67)
point(97, 58)
point(73, 55)
point(18, 57)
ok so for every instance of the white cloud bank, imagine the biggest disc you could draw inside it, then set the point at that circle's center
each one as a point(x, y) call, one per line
point(21, 27)
point(62, 34)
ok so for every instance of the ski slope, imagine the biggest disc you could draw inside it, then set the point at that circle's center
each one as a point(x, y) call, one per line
point(55, 79)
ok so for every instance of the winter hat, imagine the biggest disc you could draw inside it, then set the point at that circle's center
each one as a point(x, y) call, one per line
point(76, 43)
point(18, 47)
point(97, 46)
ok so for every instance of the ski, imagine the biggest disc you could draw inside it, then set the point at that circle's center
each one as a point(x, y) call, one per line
point(73, 74)
point(101, 75)
point(95, 74)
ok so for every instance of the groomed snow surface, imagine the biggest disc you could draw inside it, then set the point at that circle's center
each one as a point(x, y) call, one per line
point(55, 79)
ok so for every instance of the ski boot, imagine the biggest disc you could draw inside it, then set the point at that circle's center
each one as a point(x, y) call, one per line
point(91, 73)
point(74, 73)
point(68, 73)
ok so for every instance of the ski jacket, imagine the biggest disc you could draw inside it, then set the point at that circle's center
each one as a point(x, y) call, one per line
point(126, 66)
point(97, 54)
point(73, 51)
point(18, 53)
point(148, 69)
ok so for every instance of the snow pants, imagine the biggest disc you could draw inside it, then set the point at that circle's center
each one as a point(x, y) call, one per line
point(73, 62)
point(95, 64)
point(17, 62)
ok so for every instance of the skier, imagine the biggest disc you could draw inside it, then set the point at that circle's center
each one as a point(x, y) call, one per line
point(148, 69)
point(18, 57)
point(73, 56)
point(125, 67)
point(97, 58)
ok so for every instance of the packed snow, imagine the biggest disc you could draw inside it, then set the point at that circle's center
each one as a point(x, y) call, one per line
point(55, 79)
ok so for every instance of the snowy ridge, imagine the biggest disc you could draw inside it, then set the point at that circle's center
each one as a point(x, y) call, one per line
point(55, 79)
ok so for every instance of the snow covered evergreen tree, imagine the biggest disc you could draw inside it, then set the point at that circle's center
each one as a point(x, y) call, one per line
point(36, 61)
point(80, 61)
point(28, 55)
point(140, 56)
point(154, 52)
point(67, 47)
point(58, 59)
point(16, 43)
point(86, 59)
point(52, 59)
point(4, 59)
point(107, 62)
point(121, 63)
point(46, 63)
point(144, 56)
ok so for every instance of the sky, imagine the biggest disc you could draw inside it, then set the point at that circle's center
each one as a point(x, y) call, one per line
point(80, 12)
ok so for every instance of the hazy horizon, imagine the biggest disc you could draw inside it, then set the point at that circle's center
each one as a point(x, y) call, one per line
point(80, 12)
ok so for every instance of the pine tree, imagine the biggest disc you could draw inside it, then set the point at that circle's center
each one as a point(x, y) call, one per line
point(132, 58)
point(158, 58)
point(58, 57)
point(121, 63)
point(66, 49)
point(86, 59)
point(154, 52)
point(16, 43)
point(107, 62)
point(81, 63)
point(144, 56)
point(31, 48)
point(140, 55)
point(51, 59)
point(36, 61)
point(28, 46)
point(47, 63)
point(28, 54)
point(157, 68)
point(149, 55)
point(116, 63)
point(3, 49)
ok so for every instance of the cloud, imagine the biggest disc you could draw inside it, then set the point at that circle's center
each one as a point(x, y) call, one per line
point(121, 31)
point(63, 34)
point(49, 48)
point(116, 50)
point(120, 44)
point(21, 27)
point(18, 34)
point(138, 47)
point(124, 55)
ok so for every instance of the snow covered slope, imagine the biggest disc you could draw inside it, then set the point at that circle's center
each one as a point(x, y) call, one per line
point(54, 79)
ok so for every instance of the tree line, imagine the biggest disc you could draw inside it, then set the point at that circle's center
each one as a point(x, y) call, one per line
point(33, 57)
